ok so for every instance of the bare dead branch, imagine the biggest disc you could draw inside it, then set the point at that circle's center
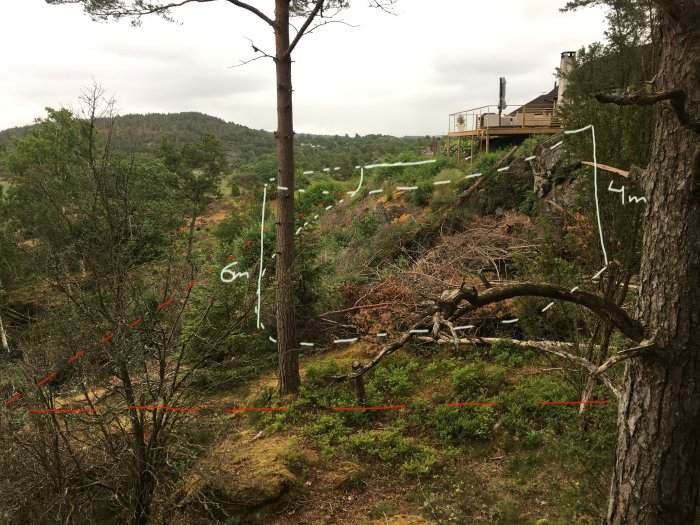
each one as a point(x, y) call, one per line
point(383, 5)
point(253, 10)
point(607, 310)
point(676, 97)
point(327, 22)
point(309, 19)
point(363, 307)
point(256, 49)
point(604, 167)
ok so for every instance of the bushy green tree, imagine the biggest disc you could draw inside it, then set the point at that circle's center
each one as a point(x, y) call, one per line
point(200, 168)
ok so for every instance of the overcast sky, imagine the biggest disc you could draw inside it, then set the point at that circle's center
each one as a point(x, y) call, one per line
point(399, 75)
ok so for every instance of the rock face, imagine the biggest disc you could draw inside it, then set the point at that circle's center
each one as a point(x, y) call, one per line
point(547, 164)
point(236, 479)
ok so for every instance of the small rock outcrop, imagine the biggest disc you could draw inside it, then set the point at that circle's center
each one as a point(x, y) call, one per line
point(237, 479)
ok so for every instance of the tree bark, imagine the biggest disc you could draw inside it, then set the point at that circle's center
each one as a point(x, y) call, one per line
point(3, 338)
point(289, 379)
point(3, 335)
point(657, 466)
point(190, 240)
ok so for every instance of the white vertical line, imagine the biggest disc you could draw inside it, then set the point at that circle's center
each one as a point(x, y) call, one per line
point(362, 178)
point(597, 203)
point(262, 234)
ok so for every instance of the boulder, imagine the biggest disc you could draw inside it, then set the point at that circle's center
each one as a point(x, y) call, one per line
point(238, 479)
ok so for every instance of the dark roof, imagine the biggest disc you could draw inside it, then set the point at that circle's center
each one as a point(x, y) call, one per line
point(543, 101)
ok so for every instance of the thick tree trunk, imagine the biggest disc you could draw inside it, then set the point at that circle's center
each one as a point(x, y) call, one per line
point(289, 379)
point(657, 468)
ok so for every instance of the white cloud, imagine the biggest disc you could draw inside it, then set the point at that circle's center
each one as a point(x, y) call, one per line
point(394, 74)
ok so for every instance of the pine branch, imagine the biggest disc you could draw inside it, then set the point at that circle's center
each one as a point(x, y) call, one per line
point(677, 98)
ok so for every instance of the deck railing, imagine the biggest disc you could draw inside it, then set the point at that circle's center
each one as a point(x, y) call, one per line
point(513, 116)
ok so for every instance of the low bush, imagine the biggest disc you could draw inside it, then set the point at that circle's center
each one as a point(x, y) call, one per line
point(478, 380)
point(457, 424)
point(522, 412)
point(507, 354)
point(414, 459)
point(394, 379)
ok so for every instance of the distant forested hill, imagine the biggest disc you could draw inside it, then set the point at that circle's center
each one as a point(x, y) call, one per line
point(249, 150)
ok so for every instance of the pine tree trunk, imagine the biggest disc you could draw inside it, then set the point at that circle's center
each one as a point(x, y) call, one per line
point(190, 240)
point(3, 338)
point(289, 379)
point(3, 335)
point(657, 467)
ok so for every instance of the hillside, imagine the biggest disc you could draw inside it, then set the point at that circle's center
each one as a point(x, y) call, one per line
point(422, 453)
point(248, 149)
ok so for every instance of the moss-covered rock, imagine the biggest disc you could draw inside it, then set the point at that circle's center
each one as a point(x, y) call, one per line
point(236, 478)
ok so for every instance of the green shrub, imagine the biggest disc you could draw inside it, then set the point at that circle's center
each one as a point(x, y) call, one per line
point(394, 379)
point(527, 147)
point(456, 424)
point(320, 391)
point(508, 354)
point(522, 412)
point(414, 458)
point(443, 201)
point(309, 202)
point(367, 225)
point(421, 196)
point(478, 380)
point(327, 431)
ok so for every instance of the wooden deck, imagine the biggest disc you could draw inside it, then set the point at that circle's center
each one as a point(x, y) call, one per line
point(480, 125)
point(493, 132)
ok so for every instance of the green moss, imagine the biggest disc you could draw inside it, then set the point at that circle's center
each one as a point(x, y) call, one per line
point(240, 479)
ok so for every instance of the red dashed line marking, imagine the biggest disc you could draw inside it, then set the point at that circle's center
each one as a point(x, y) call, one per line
point(166, 303)
point(107, 338)
point(256, 409)
point(230, 258)
point(135, 323)
point(391, 407)
point(163, 407)
point(13, 399)
point(52, 374)
point(189, 286)
point(76, 356)
point(247, 244)
point(62, 410)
